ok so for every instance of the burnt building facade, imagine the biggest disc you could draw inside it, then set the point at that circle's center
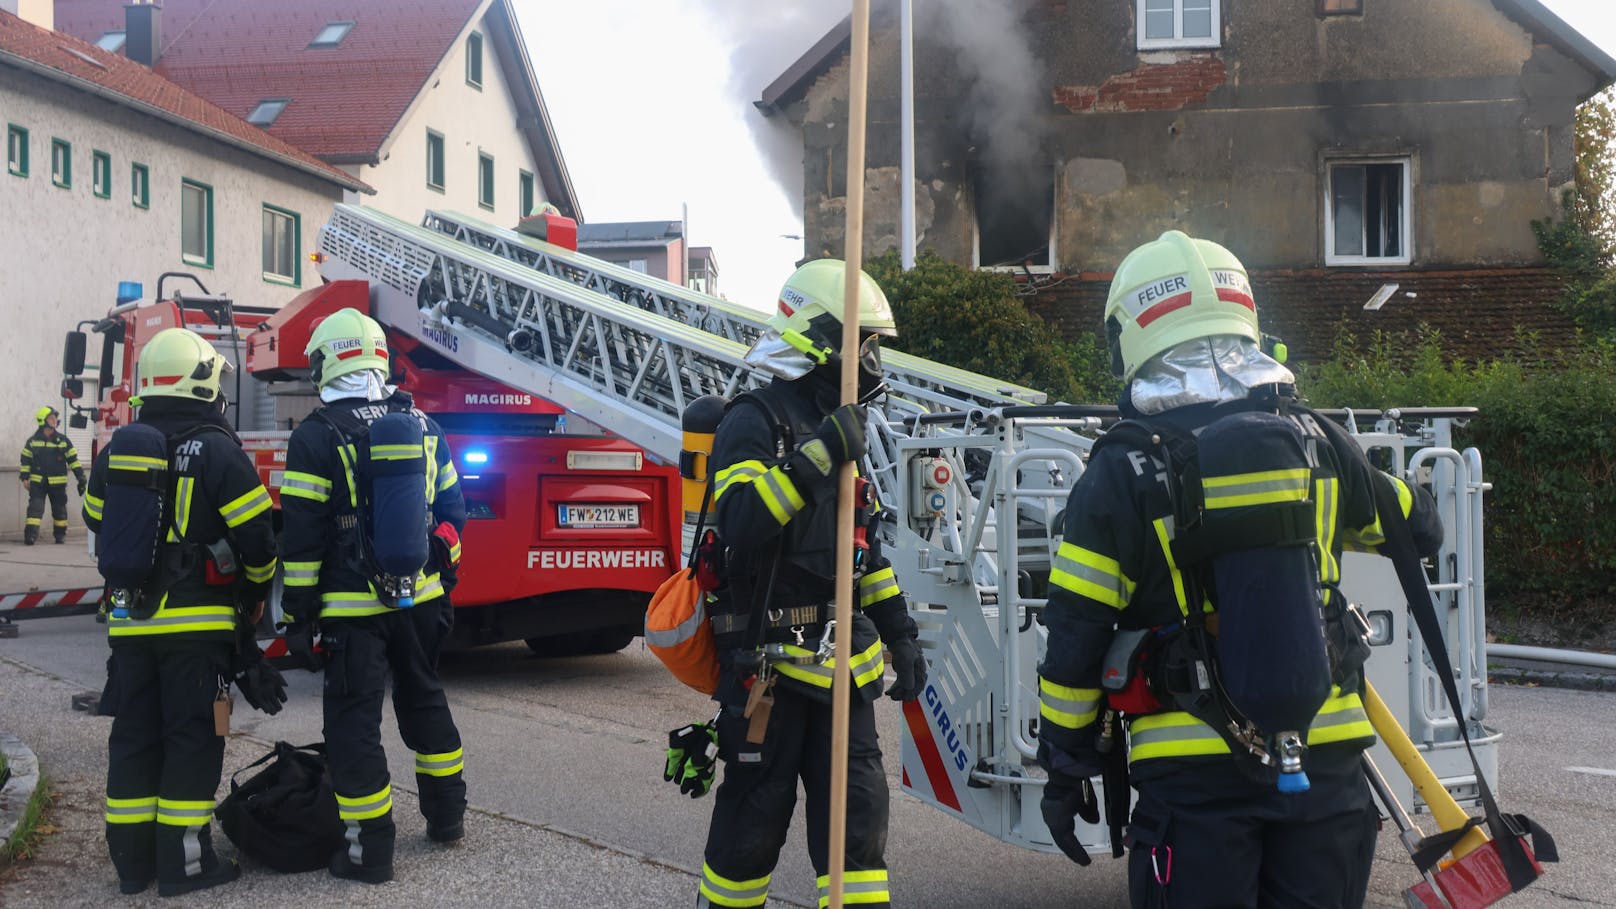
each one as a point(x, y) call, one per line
point(1336, 146)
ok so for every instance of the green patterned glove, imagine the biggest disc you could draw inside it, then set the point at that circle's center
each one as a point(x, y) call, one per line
point(692, 758)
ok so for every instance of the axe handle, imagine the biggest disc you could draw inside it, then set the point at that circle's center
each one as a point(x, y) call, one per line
point(1448, 814)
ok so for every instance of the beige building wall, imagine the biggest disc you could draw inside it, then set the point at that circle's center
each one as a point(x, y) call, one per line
point(64, 250)
point(471, 121)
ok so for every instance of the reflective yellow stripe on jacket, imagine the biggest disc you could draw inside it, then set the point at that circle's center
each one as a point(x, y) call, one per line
point(1089, 574)
point(175, 620)
point(865, 667)
point(771, 484)
point(1176, 734)
point(353, 604)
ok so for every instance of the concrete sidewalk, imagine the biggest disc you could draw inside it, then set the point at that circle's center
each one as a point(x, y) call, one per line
point(503, 861)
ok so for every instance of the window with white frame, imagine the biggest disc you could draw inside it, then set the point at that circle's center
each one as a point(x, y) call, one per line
point(280, 242)
point(196, 223)
point(485, 180)
point(1178, 23)
point(1367, 207)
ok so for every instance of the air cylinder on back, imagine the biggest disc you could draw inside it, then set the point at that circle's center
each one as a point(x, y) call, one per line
point(399, 513)
point(1271, 650)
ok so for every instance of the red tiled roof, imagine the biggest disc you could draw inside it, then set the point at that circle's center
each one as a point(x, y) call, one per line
point(345, 100)
point(82, 65)
point(1478, 311)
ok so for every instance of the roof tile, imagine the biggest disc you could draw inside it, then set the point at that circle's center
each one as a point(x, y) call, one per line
point(75, 59)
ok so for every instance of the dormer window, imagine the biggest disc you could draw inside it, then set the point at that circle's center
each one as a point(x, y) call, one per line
point(331, 35)
point(1167, 24)
point(263, 116)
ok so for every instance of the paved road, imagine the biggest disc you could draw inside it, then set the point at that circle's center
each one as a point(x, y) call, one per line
point(564, 757)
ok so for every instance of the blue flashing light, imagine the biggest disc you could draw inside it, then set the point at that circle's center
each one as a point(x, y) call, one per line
point(129, 292)
point(476, 457)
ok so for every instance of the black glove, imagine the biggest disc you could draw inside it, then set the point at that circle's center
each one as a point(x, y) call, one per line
point(692, 758)
point(300, 645)
point(1065, 798)
point(82, 486)
point(263, 687)
point(909, 665)
point(840, 439)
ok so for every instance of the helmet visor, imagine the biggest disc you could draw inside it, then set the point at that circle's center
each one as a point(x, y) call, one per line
point(869, 355)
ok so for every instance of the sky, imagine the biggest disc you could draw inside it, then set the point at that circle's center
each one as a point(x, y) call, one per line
point(651, 101)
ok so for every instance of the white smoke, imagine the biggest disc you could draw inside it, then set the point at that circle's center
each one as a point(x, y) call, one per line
point(768, 37)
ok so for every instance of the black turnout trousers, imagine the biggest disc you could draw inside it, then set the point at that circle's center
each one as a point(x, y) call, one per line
point(37, 494)
point(755, 800)
point(164, 756)
point(1207, 836)
point(360, 654)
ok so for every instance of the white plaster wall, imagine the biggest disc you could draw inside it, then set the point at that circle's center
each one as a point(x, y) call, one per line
point(63, 251)
point(469, 121)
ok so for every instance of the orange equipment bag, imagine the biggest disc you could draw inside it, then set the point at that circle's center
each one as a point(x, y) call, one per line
point(677, 631)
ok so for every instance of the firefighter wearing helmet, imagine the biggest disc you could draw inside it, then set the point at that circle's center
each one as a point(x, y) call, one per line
point(174, 655)
point(1222, 819)
point(776, 455)
point(335, 486)
point(47, 456)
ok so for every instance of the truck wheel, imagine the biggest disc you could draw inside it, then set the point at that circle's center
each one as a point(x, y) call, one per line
point(582, 643)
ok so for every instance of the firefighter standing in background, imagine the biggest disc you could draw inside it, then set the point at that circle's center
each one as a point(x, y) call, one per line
point(775, 497)
point(168, 669)
point(1211, 827)
point(363, 638)
point(47, 456)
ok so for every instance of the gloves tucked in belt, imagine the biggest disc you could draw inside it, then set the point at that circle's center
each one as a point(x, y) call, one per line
point(692, 758)
point(263, 687)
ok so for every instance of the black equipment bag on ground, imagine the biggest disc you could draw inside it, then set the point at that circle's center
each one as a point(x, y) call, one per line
point(286, 814)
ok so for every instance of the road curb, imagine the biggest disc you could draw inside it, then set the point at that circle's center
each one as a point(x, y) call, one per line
point(19, 791)
point(1552, 678)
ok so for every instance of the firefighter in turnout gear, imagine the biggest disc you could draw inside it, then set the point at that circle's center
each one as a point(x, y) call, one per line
point(1146, 646)
point(47, 456)
point(775, 460)
point(366, 633)
point(171, 663)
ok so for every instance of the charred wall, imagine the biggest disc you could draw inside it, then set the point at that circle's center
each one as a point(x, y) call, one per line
point(1229, 144)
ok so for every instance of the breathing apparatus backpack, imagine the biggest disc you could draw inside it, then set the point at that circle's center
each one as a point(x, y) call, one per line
point(133, 557)
point(1259, 668)
point(389, 533)
point(137, 496)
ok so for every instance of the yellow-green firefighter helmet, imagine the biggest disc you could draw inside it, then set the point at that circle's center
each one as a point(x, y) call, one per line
point(345, 341)
point(1171, 290)
point(811, 304)
point(43, 414)
point(178, 363)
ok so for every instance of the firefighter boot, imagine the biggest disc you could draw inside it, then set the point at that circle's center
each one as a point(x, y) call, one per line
point(342, 866)
point(30, 534)
point(445, 833)
point(222, 873)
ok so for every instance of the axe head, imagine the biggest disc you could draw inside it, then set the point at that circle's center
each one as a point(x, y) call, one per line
point(1476, 881)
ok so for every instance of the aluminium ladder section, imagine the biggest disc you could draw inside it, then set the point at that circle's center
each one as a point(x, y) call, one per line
point(633, 372)
point(969, 743)
point(721, 317)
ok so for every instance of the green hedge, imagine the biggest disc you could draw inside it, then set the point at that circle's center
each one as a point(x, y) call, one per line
point(1547, 437)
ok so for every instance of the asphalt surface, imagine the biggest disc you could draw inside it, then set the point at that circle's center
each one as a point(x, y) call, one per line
point(563, 764)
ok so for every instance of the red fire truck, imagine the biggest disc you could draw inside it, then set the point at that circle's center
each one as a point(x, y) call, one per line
point(568, 533)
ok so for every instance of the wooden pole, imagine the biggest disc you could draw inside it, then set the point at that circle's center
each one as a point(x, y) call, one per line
point(841, 679)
